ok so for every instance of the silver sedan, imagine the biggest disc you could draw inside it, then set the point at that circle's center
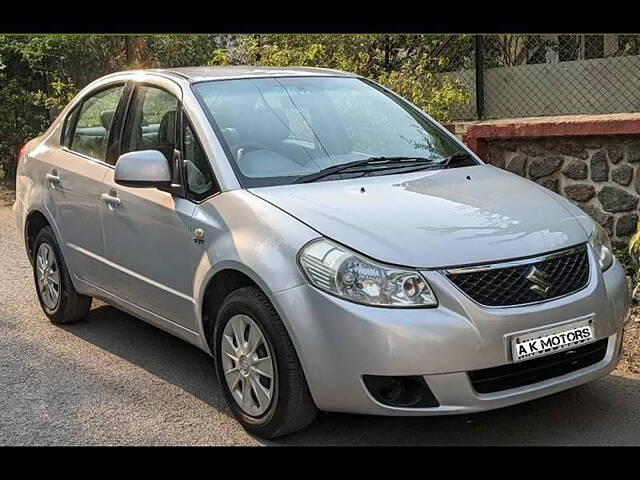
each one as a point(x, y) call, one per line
point(328, 243)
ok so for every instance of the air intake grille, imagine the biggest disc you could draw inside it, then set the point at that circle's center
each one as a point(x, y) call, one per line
point(514, 375)
point(551, 277)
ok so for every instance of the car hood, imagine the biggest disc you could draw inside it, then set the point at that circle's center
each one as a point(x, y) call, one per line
point(434, 218)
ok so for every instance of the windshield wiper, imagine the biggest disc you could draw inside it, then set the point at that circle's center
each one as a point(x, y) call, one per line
point(389, 162)
point(458, 157)
point(386, 163)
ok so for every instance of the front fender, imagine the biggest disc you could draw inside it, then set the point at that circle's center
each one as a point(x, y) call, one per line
point(251, 236)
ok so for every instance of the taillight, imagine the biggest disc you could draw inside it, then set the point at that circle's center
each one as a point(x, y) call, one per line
point(21, 156)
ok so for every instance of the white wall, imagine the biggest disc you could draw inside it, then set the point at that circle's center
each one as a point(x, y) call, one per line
point(603, 85)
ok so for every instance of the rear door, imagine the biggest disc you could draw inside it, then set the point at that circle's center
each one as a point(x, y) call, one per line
point(148, 236)
point(73, 179)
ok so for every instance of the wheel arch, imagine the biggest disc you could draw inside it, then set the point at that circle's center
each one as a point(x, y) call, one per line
point(35, 221)
point(220, 284)
point(229, 277)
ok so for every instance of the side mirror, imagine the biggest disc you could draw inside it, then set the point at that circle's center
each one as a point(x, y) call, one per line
point(143, 169)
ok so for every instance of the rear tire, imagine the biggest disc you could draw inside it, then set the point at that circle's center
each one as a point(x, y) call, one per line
point(56, 294)
point(290, 407)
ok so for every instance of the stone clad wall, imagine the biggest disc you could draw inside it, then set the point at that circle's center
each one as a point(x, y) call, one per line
point(600, 174)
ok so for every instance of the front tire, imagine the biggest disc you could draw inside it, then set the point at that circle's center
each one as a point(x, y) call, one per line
point(58, 298)
point(258, 368)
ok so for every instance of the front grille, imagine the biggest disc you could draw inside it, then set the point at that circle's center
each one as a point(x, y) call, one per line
point(514, 375)
point(564, 272)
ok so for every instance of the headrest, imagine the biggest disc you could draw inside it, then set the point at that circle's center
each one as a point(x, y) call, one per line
point(106, 118)
point(167, 129)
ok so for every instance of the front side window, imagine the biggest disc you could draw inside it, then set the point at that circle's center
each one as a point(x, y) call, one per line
point(151, 122)
point(278, 130)
point(199, 179)
point(89, 133)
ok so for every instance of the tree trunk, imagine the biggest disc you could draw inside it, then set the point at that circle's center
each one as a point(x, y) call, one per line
point(387, 53)
point(127, 50)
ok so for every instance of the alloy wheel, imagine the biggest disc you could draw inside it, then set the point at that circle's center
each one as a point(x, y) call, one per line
point(48, 276)
point(248, 365)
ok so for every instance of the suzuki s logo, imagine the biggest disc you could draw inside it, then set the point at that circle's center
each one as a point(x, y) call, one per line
point(540, 280)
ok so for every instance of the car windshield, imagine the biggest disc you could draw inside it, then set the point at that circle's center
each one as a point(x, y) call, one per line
point(278, 130)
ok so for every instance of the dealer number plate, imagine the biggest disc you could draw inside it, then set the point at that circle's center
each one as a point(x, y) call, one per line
point(552, 340)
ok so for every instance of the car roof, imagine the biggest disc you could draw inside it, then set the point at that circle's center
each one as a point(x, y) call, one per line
point(197, 74)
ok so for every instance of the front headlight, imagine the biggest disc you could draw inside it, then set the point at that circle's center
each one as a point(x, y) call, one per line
point(601, 245)
point(337, 270)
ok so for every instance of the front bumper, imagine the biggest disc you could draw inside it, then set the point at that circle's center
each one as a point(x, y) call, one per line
point(338, 342)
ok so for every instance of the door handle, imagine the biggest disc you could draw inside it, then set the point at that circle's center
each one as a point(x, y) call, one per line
point(53, 178)
point(111, 200)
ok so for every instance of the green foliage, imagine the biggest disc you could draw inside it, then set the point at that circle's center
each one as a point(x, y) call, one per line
point(634, 243)
point(178, 50)
point(436, 95)
point(633, 254)
point(218, 58)
point(21, 117)
point(625, 259)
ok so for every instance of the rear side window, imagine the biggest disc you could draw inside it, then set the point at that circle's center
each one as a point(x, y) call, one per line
point(199, 178)
point(151, 122)
point(88, 127)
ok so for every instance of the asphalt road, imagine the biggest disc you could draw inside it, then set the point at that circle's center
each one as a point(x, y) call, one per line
point(115, 380)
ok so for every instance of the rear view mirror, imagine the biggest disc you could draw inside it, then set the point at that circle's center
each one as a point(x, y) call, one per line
point(143, 169)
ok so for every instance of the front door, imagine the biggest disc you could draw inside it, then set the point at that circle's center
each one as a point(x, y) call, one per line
point(148, 238)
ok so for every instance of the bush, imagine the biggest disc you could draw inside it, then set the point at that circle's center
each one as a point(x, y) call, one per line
point(627, 262)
